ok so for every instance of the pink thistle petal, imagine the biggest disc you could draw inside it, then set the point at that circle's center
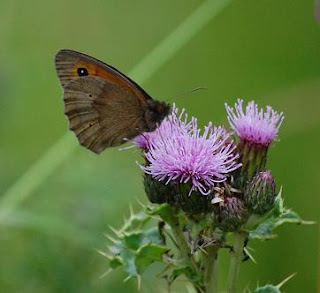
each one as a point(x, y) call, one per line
point(254, 125)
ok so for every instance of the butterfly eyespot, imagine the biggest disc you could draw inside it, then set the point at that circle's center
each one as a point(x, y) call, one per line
point(90, 95)
point(82, 71)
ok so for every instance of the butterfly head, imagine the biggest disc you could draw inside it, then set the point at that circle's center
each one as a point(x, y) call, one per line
point(153, 115)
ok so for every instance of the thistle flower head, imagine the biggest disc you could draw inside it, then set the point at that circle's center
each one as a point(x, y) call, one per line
point(254, 125)
point(178, 151)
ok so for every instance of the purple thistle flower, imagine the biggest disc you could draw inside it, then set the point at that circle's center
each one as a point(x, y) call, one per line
point(177, 151)
point(254, 125)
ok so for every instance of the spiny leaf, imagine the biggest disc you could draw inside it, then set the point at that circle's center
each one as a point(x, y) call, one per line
point(267, 289)
point(148, 254)
point(132, 240)
point(279, 215)
point(115, 262)
point(136, 246)
point(185, 270)
point(136, 221)
point(128, 259)
point(273, 289)
point(164, 211)
point(116, 247)
point(135, 239)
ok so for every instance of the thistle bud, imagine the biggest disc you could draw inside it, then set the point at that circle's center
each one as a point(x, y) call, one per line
point(157, 191)
point(231, 214)
point(260, 193)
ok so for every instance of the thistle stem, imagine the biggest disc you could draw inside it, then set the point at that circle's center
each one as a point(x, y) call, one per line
point(210, 273)
point(182, 244)
point(184, 249)
point(235, 260)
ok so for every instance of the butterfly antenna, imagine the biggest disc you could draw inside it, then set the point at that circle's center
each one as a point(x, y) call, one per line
point(186, 93)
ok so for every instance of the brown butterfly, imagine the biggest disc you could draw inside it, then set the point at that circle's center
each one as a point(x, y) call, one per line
point(104, 107)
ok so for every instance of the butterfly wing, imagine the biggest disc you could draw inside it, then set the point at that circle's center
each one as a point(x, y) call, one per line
point(101, 113)
point(104, 107)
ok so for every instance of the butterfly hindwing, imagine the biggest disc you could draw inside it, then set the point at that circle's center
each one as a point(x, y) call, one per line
point(101, 113)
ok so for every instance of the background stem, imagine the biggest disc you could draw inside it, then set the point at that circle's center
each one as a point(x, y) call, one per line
point(235, 261)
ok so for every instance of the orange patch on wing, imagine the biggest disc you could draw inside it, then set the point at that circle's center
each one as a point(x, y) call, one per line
point(95, 70)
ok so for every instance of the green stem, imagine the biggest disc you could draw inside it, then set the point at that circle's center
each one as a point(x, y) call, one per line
point(235, 261)
point(184, 250)
point(210, 273)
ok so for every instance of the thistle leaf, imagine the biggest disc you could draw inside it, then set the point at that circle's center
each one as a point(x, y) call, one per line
point(279, 215)
point(185, 270)
point(136, 221)
point(136, 246)
point(164, 211)
point(115, 262)
point(272, 288)
point(268, 289)
point(148, 254)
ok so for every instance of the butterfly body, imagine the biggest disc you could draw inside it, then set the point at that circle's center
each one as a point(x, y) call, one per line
point(104, 107)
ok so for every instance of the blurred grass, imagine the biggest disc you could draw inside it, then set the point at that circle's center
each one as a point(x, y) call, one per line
point(264, 50)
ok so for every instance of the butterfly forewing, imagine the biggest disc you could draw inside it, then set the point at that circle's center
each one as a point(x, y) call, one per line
point(100, 113)
point(71, 65)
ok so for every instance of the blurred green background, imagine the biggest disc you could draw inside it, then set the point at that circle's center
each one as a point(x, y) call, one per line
point(265, 50)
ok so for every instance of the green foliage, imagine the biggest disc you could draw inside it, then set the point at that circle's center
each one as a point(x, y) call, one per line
point(164, 211)
point(264, 227)
point(137, 245)
point(149, 253)
point(272, 288)
point(142, 241)
point(267, 289)
point(183, 270)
